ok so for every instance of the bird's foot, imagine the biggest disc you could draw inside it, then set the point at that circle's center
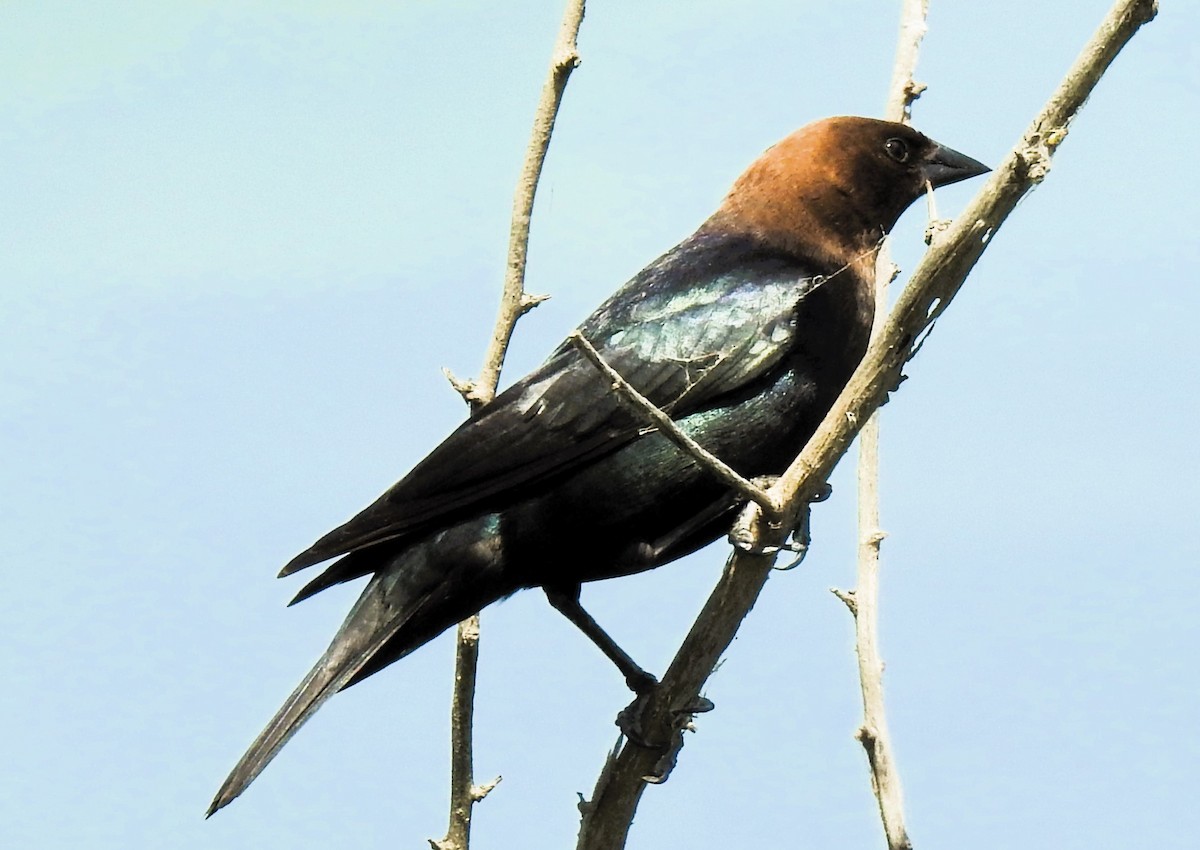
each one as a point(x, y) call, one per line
point(631, 721)
point(643, 714)
point(742, 534)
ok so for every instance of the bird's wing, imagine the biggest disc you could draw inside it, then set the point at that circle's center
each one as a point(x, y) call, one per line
point(685, 333)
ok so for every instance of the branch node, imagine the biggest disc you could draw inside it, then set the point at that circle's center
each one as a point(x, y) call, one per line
point(935, 230)
point(1035, 159)
point(867, 736)
point(468, 388)
point(1038, 151)
point(848, 597)
point(566, 61)
point(528, 301)
point(478, 792)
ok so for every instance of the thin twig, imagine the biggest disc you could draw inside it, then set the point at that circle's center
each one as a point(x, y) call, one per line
point(663, 423)
point(514, 303)
point(863, 605)
point(863, 601)
point(937, 278)
point(904, 90)
point(514, 300)
point(462, 712)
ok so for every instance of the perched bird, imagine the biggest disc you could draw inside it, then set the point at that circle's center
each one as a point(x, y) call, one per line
point(744, 334)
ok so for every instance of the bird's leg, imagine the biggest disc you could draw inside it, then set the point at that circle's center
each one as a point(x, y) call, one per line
point(566, 602)
point(630, 720)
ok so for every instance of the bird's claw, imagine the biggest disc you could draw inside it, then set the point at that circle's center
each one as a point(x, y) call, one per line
point(798, 546)
point(635, 717)
point(823, 493)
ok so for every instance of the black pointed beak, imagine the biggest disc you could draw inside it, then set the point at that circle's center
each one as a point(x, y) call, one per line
point(945, 165)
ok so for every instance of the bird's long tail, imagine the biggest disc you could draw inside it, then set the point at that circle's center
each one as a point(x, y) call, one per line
point(406, 604)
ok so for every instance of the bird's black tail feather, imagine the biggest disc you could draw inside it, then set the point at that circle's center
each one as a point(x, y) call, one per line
point(370, 625)
point(411, 599)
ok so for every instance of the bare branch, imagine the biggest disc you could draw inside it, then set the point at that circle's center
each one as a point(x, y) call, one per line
point(462, 716)
point(478, 792)
point(863, 603)
point(864, 606)
point(663, 423)
point(514, 303)
point(938, 277)
point(904, 90)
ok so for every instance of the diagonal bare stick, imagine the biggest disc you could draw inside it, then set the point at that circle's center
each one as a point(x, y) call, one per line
point(608, 815)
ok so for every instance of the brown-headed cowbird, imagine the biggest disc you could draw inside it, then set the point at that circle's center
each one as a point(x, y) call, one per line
point(744, 333)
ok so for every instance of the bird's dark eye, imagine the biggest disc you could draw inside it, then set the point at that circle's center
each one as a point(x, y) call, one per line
point(897, 149)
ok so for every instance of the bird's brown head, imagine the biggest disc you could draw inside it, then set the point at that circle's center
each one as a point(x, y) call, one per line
point(833, 188)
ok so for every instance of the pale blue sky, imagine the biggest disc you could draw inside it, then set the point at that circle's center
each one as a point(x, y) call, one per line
point(239, 241)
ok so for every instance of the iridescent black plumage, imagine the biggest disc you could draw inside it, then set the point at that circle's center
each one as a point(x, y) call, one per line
point(744, 333)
